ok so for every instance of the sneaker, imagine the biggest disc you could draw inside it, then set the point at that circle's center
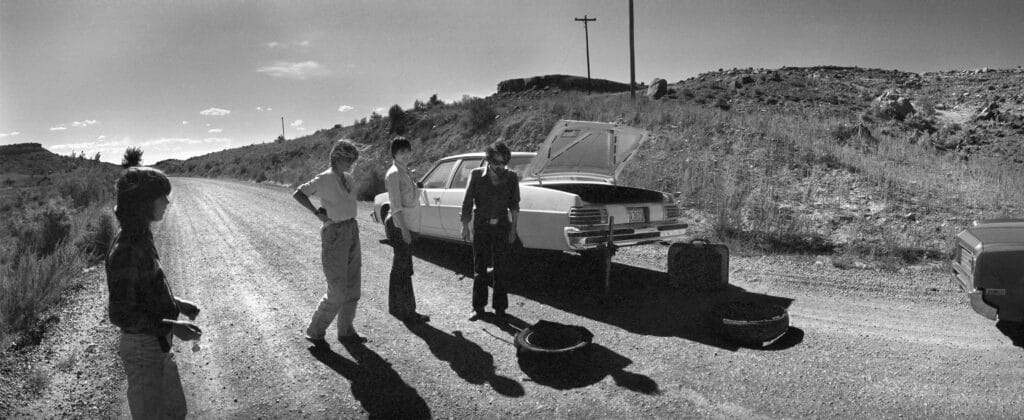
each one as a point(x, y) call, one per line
point(352, 339)
point(317, 341)
point(477, 314)
point(415, 318)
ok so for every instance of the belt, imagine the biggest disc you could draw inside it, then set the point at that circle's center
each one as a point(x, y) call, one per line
point(492, 221)
point(338, 222)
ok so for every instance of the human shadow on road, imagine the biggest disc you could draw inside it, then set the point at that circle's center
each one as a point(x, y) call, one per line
point(377, 386)
point(596, 363)
point(1013, 330)
point(640, 301)
point(466, 358)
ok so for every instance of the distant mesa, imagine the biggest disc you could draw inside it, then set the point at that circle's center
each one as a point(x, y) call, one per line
point(562, 82)
point(20, 148)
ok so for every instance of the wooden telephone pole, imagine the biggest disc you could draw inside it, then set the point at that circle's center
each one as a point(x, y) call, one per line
point(632, 61)
point(586, 34)
point(282, 127)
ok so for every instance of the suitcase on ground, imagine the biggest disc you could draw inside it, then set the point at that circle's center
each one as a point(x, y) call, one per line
point(698, 264)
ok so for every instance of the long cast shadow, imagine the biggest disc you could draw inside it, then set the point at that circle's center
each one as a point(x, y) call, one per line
point(466, 358)
point(577, 372)
point(377, 386)
point(642, 300)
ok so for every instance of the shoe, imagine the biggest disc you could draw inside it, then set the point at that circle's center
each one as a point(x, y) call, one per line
point(318, 342)
point(477, 314)
point(352, 339)
point(415, 318)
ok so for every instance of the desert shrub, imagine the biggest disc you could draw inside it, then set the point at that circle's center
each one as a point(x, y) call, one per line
point(369, 182)
point(97, 237)
point(722, 103)
point(397, 117)
point(433, 101)
point(479, 116)
point(50, 228)
point(33, 283)
point(132, 157)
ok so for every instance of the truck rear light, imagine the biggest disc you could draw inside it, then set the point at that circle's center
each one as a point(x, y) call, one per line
point(587, 216)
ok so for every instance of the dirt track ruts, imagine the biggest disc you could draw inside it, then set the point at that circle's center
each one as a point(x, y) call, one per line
point(861, 342)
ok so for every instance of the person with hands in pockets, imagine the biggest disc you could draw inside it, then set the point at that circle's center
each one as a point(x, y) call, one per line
point(404, 200)
point(141, 303)
point(339, 238)
point(491, 206)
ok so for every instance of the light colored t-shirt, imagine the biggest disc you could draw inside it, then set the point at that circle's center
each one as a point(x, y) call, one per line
point(340, 204)
point(402, 191)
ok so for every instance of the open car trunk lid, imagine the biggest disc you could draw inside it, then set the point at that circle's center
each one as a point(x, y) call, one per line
point(584, 150)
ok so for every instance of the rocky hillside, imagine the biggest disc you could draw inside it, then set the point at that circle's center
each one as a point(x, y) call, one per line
point(845, 161)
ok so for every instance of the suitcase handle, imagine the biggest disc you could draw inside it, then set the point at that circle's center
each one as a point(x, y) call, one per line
point(700, 240)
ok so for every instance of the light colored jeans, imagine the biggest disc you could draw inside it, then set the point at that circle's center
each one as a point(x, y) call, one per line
point(342, 260)
point(154, 386)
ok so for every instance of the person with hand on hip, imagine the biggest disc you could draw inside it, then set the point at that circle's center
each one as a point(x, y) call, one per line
point(141, 303)
point(491, 206)
point(403, 208)
point(339, 238)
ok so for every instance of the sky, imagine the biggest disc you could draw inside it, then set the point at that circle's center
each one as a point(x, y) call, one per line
point(188, 77)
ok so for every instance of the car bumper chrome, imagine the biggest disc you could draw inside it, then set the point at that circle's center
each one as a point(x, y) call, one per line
point(588, 238)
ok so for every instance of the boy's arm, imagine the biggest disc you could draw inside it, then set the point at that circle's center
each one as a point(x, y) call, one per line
point(303, 199)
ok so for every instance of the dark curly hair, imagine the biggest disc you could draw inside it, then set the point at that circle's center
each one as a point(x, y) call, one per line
point(137, 189)
point(498, 148)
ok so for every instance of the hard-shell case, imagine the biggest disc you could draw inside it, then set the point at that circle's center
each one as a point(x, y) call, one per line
point(698, 264)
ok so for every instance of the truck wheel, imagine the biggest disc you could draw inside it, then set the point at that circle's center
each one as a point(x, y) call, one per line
point(751, 323)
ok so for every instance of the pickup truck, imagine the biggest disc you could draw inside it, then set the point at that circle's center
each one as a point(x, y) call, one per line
point(988, 264)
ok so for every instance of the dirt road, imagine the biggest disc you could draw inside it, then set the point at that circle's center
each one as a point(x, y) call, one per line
point(862, 342)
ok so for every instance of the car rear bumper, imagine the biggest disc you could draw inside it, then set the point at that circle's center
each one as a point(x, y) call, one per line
point(588, 238)
point(975, 296)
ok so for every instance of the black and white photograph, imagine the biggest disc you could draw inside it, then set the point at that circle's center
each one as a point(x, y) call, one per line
point(565, 209)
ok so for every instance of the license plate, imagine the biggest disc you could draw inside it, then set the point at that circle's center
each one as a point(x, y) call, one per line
point(637, 215)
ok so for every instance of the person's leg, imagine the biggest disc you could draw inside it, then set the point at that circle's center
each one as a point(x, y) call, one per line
point(335, 269)
point(481, 259)
point(350, 283)
point(175, 406)
point(401, 299)
point(501, 267)
point(143, 363)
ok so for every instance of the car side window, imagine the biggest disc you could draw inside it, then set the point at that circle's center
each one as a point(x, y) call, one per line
point(437, 177)
point(519, 164)
point(462, 175)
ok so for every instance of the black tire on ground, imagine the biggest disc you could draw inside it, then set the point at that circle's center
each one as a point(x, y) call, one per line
point(751, 323)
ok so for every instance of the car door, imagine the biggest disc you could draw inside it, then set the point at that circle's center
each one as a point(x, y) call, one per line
point(433, 186)
point(451, 199)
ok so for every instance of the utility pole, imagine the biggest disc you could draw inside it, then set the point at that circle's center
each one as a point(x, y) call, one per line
point(282, 127)
point(632, 61)
point(586, 35)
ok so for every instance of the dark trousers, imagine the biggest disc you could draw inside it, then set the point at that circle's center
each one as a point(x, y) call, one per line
point(401, 299)
point(490, 248)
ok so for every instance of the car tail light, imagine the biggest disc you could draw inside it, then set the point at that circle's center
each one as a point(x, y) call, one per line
point(585, 216)
point(967, 259)
point(672, 211)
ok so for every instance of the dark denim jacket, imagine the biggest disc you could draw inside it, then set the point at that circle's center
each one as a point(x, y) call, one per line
point(139, 295)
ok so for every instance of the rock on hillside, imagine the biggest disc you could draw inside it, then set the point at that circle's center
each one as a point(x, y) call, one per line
point(563, 82)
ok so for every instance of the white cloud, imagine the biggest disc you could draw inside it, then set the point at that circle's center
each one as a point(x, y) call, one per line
point(217, 140)
point(284, 45)
point(379, 110)
point(184, 123)
point(345, 108)
point(85, 123)
point(295, 70)
point(13, 133)
point(215, 130)
point(214, 112)
point(296, 123)
point(58, 128)
point(260, 108)
point(273, 44)
point(101, 137)
point(303, 43)
point(301, 129)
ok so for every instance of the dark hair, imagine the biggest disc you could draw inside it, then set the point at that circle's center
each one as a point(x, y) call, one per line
point(399, 144)
point(137, 189)
point(343, 150)
point(496, 148)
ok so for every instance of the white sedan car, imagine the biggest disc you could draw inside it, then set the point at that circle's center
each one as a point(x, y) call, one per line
point(568, 193)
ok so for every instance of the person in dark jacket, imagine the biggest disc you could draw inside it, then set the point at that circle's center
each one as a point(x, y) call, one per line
point(490, 212)
point(141, 302)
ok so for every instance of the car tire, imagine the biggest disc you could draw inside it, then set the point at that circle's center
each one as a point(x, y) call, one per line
point(751, 323)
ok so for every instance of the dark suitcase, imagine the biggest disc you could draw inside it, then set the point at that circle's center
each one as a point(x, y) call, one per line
point(698, 264)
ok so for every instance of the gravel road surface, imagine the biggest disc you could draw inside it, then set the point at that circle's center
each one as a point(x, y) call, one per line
point(861, 342)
